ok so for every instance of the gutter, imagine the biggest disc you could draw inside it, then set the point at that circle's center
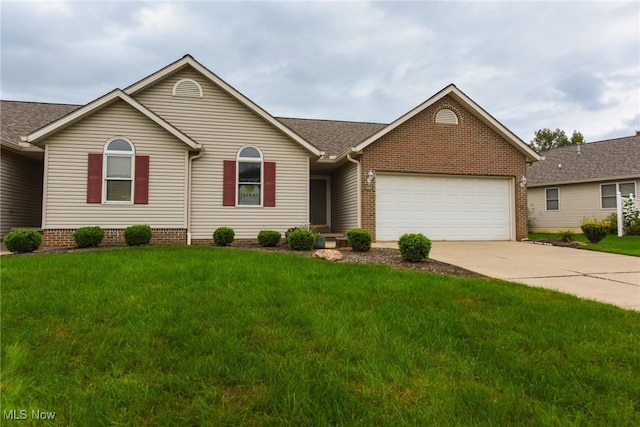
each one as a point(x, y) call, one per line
point(191, 159)
point(359, 184)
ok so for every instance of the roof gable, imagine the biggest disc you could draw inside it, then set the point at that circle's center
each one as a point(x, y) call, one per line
point(478, 111)
point(188, 60)
point(595, 161)
point(38, 135)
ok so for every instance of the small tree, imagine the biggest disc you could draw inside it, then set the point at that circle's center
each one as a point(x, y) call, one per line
point(547, 139)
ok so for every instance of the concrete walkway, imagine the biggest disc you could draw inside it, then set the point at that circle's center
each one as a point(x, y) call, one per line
point(609, 278)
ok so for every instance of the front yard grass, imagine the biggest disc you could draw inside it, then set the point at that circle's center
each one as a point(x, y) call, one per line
point(625, 245)
point(221, 336)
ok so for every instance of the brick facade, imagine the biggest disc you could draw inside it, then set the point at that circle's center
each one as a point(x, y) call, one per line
point(470, 148)
point(63, 238)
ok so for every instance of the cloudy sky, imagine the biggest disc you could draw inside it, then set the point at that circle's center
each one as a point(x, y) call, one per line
point(532, 65)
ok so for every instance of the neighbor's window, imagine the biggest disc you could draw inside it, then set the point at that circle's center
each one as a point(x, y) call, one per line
point(118, 170)
point(249, 176)
point(608, 193)
point(552, 197)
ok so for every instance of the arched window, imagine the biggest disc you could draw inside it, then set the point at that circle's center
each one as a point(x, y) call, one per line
point(119, 154)
point(447, 116)
point(249, 180)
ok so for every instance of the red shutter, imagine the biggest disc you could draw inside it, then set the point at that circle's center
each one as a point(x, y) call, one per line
point(229, 184)
point(269, 184)
point(141, 182)
point(94, 178)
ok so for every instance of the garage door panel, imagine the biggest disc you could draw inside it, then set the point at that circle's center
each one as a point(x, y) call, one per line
point(443, 208)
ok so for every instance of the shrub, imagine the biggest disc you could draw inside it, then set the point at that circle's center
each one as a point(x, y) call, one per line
point(223, 236)
point(22, 241)
point(269, 238)
point(594, 230)
point(612, 219)
point(301, 239)
point(566, 236)
point(414, 247)
point(359, 239)
point(86, 237)
point(137, 235)
point(631, 216)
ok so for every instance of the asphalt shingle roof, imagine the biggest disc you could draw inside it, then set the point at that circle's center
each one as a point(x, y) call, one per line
point(595, 161)
point(19, 118)
point(331, 136)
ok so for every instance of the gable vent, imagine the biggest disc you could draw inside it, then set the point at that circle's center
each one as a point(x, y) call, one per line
point(446, 116)
point(187, 88)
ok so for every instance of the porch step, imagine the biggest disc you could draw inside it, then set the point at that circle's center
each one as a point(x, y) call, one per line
point(335, 240)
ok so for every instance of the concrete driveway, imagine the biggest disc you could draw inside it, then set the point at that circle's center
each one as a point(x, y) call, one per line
point(614, 279)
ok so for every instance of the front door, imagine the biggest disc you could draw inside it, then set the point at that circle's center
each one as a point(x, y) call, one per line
point(318, 201)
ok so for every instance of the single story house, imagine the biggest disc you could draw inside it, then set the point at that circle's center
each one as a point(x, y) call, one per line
point(184, 152)
point(578, 181)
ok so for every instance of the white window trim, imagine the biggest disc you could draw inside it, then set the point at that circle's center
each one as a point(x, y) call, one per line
point(617, 184)
point(109, 153)
point(546, 205)
point(249, 160)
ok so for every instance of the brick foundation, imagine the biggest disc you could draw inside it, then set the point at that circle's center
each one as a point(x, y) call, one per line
point(63, 238)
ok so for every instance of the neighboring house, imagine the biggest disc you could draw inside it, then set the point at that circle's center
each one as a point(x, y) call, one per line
point(574, 182)
point(186, 153)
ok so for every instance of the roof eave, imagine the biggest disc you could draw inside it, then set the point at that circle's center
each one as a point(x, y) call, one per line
point(583, 181)
point(38, 135)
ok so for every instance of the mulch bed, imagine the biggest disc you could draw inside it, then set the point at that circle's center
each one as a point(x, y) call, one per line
point(551, 242)
point(386, 256)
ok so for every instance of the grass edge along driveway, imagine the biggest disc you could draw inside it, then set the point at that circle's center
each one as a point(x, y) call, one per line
point(220, 336)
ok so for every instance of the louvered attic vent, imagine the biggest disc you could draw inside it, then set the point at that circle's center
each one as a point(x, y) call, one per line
point(187, 88)
point(446, 116)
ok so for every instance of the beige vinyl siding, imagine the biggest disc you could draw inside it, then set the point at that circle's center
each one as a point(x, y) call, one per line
point(21, 192)
point(223, 125)
point(576, 202)
point(344, 199)
point(66, 166)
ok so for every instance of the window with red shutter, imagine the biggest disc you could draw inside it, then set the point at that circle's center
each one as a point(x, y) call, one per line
point(94, 178)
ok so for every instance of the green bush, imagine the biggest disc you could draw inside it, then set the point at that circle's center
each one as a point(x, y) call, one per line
point(223, 236)
point(87, 237)
point(22, 241)
point(414, 247)
point(359, 239)
point(612, 219)
point(595, 230)
point(301, 239)
point(269, 238)
point(566, 236)
point(137, 235)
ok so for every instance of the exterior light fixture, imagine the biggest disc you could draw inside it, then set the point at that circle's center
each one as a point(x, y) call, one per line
point(370, 176)
point(523, 181)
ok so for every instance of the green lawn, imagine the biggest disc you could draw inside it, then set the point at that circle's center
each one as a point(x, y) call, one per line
point(220, 336)
point(625, 245)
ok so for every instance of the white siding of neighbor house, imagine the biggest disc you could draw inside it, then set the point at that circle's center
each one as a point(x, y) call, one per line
point(576, 202)
point(66, 172)
point(21, 192)
point(344, 199)
point(223, 125)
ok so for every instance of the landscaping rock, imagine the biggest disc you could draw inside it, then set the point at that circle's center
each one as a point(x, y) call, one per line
point(328, 254)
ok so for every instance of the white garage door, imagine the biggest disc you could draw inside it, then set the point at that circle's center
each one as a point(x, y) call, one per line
point(443, 208)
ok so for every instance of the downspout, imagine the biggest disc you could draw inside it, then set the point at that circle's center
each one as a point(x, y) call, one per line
point(191, 159)
point(359, 204)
